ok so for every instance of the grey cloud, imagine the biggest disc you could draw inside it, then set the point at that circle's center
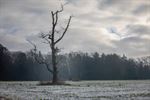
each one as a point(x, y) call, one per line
point(143, 9)
point(134, 39)
point(10, 26)
point(108, 3)
point(72, 1)
point(19, 19)
point(116, 6)
point(13, 42)
point(133, 46)
point(98, 19)
point(138, 29)
point(81, 40)
point(124, 7)
point(148, 20)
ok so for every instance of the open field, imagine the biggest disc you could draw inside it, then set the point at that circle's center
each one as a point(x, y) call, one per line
point(81, 90)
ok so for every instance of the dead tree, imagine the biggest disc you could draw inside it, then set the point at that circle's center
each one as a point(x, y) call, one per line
point(51, 39)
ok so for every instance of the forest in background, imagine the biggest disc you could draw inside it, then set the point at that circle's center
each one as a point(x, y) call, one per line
point(21, 66)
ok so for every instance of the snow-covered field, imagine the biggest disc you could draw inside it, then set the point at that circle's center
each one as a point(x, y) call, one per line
point(81, 90)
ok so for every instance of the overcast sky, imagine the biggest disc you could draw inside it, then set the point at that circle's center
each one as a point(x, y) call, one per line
point(109, 26)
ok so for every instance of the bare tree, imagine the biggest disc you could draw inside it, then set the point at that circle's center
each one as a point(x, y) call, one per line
point(51, 39)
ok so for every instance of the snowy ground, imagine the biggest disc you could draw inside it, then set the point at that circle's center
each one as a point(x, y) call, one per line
point(82, 90)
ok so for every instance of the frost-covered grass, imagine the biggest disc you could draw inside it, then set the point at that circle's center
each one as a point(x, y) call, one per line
point(81, 90)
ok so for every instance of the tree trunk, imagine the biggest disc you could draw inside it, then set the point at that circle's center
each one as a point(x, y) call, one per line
point(54, 64)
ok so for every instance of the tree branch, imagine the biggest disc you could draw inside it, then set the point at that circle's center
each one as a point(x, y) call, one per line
point(64, 30)
point(55, 16)
point(56, 19)
point(52, 13)
point(45, 37)
point(37, 56)
point(58, 11)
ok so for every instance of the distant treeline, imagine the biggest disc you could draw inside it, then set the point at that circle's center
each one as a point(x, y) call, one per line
point(73, 66)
